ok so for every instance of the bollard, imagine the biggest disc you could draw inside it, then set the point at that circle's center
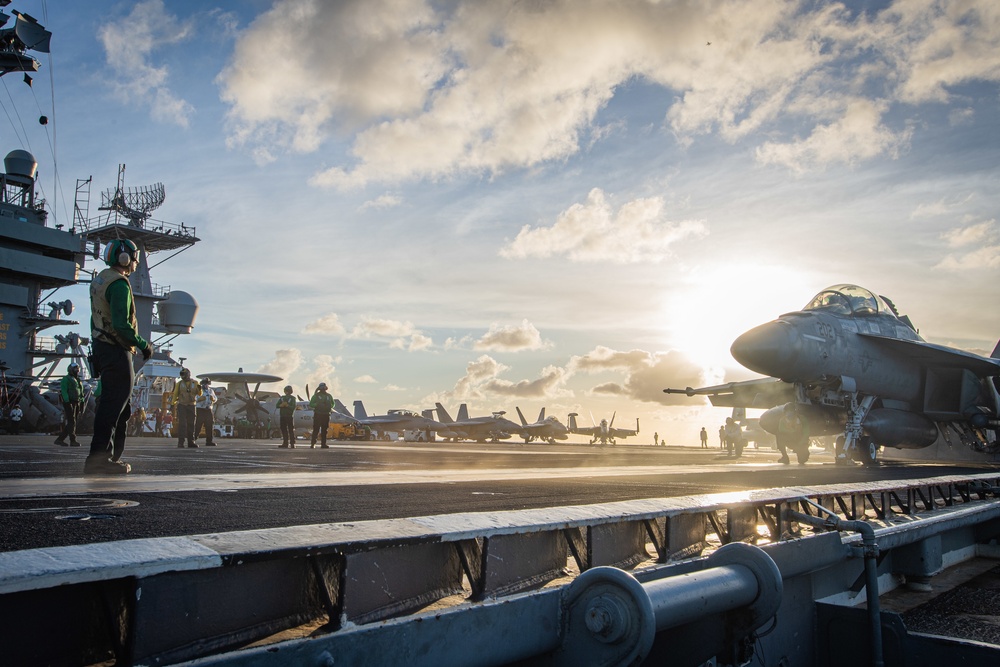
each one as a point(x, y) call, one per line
point(609, 618)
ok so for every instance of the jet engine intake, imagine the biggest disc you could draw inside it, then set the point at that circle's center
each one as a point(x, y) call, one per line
point(900, 429)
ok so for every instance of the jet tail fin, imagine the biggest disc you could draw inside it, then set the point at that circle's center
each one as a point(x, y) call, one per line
point(443, 415)
point(572, 421)
point(463, 413)
point(524, 422)
point(341, 408)
point(359, 410)
point(996, 351)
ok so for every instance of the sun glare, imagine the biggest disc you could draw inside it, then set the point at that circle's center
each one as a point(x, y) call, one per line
point(704, 316)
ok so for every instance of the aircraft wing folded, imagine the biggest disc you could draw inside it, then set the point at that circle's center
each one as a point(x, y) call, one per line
point(938, 355)
point(759, 393)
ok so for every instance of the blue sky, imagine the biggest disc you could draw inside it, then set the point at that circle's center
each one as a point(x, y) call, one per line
point(567, 204)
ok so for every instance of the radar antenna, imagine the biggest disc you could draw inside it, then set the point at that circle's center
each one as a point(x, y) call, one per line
point(136, 203)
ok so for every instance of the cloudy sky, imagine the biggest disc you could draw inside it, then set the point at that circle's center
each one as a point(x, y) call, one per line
point(570, 204)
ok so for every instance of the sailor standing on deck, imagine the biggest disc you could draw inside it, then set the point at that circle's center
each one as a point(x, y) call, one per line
point(322, 405)
point(286, 418)
point(71, 396)
point(114, 336)
point(186, 392)
point(203, 413)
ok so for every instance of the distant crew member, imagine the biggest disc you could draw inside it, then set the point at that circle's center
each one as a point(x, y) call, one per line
point(168, 424)
point(204, 417)
point(71, 396)
point(114, 335)
point(286, 418)
point(16, 415)
point(793, 434)
point(722, 437)
point(322, 405)
point(186, 392)
point(656, 439)
point(734, 438)
point(704, 438)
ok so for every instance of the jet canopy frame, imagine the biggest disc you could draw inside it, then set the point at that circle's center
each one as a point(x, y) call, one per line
point(850, 300)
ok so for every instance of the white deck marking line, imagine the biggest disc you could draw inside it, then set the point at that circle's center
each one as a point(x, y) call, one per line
point(137, 483)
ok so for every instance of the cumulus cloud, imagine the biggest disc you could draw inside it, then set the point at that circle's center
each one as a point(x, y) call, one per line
point(482, 381)
point(509, 338)
point(383, 202)
point(399, 335)
point(365, 379)
point(646, 373)
point(284, 363)
point(858, 134)
point(594, 232)
point(977, 246)
point(130, 45)
point(428, 90)
point(323, 371)
point(977, 233)
point(328, 324)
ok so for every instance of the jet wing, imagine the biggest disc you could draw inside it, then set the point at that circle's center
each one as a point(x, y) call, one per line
point(760, 393)
point(930, 354)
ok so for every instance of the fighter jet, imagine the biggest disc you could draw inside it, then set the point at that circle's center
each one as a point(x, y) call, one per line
point(393, 420)
point(544, 428)
point(605, 432)
point(496, 427)
point(853, 367)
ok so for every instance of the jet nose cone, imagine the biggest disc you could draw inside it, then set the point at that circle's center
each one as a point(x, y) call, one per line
point(770, 349)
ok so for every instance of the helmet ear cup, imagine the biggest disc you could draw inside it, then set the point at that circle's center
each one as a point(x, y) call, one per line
point(124, 259)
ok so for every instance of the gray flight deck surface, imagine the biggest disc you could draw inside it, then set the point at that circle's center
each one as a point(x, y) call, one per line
point(241, 485)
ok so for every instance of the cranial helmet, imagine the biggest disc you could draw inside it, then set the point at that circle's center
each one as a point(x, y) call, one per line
point(288, 389)
point(206, 382)
point(322, 387)
point(120, 252)
point(74, 368)
point(185, 374)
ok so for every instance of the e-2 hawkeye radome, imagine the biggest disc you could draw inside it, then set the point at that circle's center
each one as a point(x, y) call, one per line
point(854, 367)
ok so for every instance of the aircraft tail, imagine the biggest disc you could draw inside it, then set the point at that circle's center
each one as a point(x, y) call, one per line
point(996, 351)
point(572, 422)
point(524, 422)
point(637, 426)
point(359, 410)
point(463, 413)
point(341, 408)
point(443, 415)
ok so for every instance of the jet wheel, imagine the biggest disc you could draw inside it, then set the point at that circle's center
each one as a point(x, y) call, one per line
point(867, 451)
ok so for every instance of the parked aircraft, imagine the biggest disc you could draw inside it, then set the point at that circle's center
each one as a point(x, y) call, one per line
point(854, 367)
point(236, 401)
point(605, 432)
point(544, 428)
point(495, 427)
point(394, 420)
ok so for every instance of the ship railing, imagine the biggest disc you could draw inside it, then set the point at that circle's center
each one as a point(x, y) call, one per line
point(491, 587)
point(149, 224)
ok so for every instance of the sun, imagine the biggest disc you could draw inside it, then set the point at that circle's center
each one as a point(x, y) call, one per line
point(704, 315)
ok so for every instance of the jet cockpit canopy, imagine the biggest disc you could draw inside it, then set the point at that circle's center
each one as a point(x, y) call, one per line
point(847, 299)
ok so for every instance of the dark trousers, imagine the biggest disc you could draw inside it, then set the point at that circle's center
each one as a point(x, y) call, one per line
point(286, 422)
point(114, 364)
point(70, 411)
point(203, 417)
point(185, 423)
point(321, 422)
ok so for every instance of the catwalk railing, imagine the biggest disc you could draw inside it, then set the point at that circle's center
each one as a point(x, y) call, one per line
point(485, 588)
